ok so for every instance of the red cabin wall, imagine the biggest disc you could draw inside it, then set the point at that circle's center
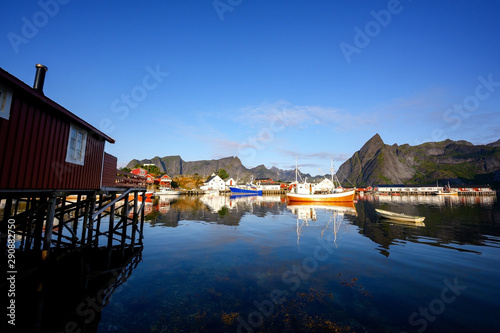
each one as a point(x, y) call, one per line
point(33, 143)
point(109, 170)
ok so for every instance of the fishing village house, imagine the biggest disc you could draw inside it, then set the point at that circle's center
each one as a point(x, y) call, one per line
point(140, 172)
point(324, 186)
point(150, 179)
point(165, 181)
point(230, 182)
point(214, 182)
point(48, 154)
point(44, 146)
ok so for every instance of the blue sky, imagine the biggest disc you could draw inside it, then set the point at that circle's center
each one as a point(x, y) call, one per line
point(268, 81)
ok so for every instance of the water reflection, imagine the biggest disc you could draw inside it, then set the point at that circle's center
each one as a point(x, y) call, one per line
point(451, 222)
point(69, 295)
point(306, 213)
point(433, 200)
point(213, 209)
point(208, 261)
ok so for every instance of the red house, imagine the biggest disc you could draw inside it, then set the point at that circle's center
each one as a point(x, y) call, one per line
point(43, 146)
point(265, 180)
point(150, 179)
point(140, 172)
point(48, 154)
point(165, 180)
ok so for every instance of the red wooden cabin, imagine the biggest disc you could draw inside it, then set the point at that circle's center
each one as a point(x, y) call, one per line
point(165, 180)
point(43, 146)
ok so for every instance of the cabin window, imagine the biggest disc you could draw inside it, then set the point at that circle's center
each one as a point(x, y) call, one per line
point(5, 101)
point(76, 145)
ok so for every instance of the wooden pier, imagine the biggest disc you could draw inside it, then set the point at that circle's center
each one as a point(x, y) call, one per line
point(57, 223)
point(59, 191)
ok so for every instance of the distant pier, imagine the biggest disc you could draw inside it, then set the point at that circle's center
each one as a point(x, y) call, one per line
point(228, 192)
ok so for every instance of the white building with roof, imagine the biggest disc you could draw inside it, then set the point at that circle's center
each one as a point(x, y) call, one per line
point(213, 183)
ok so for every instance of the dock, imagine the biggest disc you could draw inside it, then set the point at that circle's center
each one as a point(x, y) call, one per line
point(228, 192)
point(60, 192)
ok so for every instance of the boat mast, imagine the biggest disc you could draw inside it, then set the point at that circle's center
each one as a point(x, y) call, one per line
point(296, 169)
point(331, 168)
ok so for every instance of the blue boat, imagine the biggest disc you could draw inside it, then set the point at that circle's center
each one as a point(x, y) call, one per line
point(243, 195)
point(245, 190)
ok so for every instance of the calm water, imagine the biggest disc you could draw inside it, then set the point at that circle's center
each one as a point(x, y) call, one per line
point(217, 264)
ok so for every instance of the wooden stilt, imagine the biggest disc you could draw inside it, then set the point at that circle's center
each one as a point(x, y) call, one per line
point(143, 208)
point(51, 208)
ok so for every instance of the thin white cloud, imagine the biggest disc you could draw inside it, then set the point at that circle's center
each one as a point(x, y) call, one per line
point(283, 114)
point(322, 155)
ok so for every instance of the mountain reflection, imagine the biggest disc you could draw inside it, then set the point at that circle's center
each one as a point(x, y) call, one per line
point(213, 209)
point(450, 221)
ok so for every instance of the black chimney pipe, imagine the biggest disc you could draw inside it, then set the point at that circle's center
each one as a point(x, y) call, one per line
point(39, 77)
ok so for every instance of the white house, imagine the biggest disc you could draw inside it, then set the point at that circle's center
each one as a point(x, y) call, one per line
point(325, 185)
point(213, 183)
point(269, 187)
point(230, 182)
point(408, 189)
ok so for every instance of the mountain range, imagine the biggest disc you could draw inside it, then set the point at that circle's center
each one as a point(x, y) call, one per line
point(457, 162)
point(176, 166)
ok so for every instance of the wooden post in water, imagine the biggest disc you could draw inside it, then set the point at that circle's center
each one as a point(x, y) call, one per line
point(109, 248)
point(135, 218)
point(98, 224)
point(143, 208)
point(61, 222)
point(39, 218)
point(90, 227)
point(111, 222)
point(49, 224)
point(124, 224)
point(79, 205)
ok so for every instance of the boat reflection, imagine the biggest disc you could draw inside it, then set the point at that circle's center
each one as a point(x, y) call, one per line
point(220, 209)
point(409, 224)
point(307, 212)
point(432, 200)
point(450, 222)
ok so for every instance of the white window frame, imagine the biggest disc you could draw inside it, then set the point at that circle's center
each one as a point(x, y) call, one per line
point(5, 102)
point(77, 142)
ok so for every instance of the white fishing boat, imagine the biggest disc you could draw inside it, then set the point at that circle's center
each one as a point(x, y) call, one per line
point(399, 216)
point(166, 191)
point(326, 191)
point(446, 191)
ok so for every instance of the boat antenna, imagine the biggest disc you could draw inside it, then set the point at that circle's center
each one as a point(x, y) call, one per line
point(346, 178)
point(296, 169)
point(331, 167)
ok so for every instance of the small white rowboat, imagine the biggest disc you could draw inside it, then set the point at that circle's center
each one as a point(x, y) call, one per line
point(399, 216)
